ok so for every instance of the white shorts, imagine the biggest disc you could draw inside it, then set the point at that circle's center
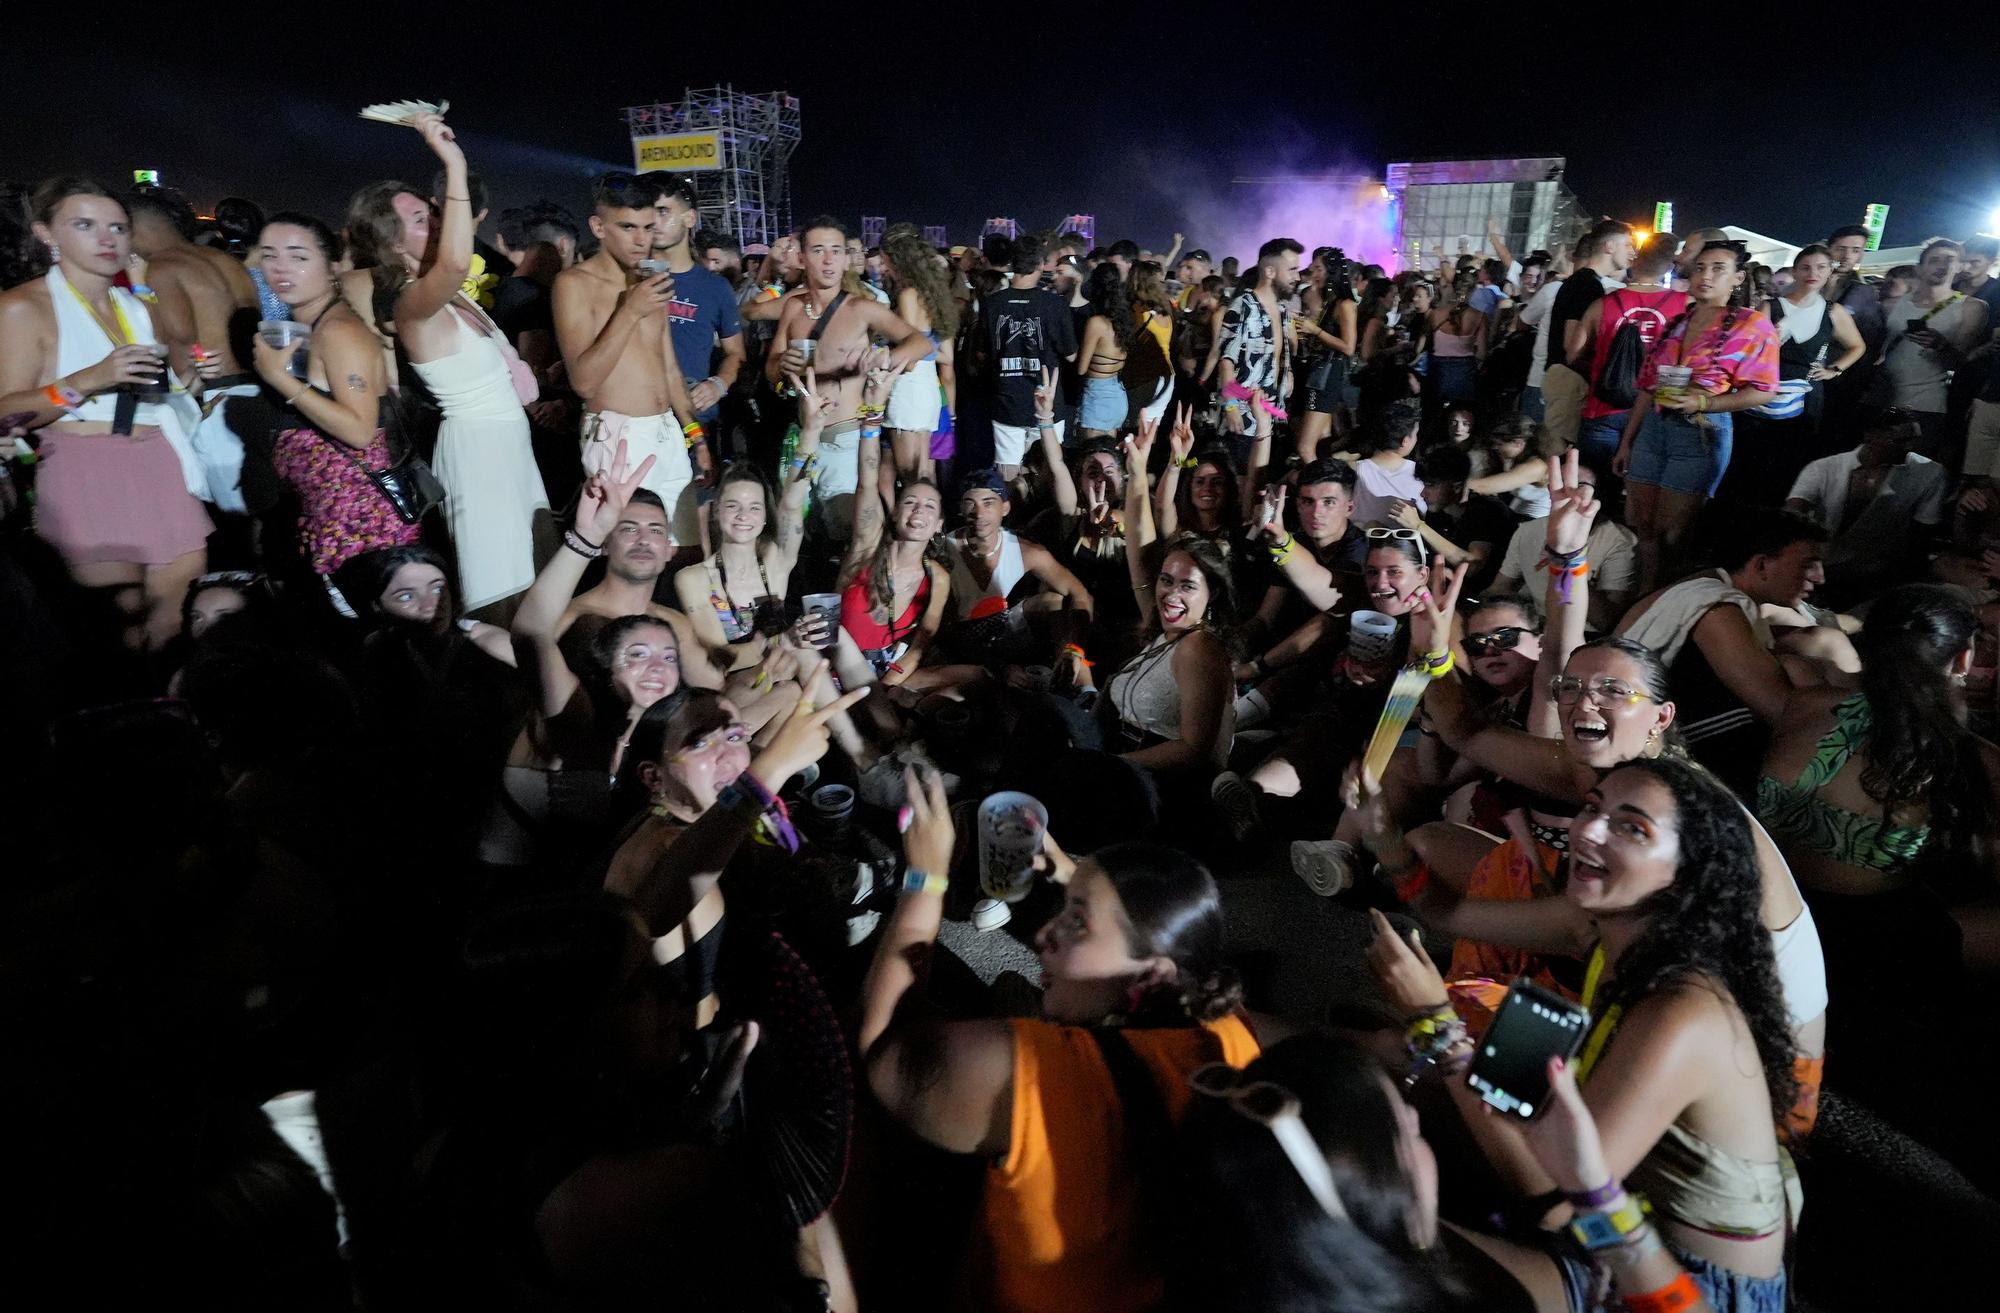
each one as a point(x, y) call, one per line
point(221, 448)
point(1011, 441)
point(916, 403)
point(671, 477)
point(1158, 405)
point(836, 471)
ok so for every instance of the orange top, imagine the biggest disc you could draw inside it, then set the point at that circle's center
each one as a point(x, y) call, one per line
point(1060, 1211)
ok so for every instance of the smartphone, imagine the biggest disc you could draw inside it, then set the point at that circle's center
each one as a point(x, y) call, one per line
point(1913, 326)
point(1510, 1071)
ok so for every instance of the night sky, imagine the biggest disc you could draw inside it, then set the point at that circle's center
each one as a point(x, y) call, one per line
point(1046, 110)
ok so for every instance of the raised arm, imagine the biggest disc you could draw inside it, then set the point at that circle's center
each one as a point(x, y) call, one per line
point(813, 408)
point(950, 1082)
point(598, 507)
point(1573, 508)
point(1180, 443)
point(1139, 532)
point(1301, 568)
point(1062, 486)
point(433, 289)
point(870, 511)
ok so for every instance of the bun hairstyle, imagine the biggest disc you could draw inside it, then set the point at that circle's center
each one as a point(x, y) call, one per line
point(1173, 909)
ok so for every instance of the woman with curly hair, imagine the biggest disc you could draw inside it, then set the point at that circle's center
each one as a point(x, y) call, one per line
point(1149, 374)
point(1688, 1061)
point(1058, 1107)
point(924, 300)
point(1102, 352)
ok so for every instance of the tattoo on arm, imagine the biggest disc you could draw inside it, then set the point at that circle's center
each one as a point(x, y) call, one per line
point(356, 383)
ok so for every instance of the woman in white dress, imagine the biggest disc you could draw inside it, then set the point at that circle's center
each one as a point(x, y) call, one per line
point(483, 457)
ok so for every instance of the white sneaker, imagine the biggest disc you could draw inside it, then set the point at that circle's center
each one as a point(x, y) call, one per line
point(1236, 799)
point(990, 914)
point(1326, 865)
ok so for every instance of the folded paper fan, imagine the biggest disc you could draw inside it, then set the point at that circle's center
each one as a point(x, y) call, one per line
point(403, 112)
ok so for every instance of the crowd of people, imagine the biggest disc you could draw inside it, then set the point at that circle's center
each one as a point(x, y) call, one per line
point(506, 735)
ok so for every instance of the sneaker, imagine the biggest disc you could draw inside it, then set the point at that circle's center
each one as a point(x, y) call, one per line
point(990, 914)
point(1236, 798)
point(1326, 865)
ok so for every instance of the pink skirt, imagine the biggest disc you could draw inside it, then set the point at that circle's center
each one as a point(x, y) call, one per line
point(102, 497)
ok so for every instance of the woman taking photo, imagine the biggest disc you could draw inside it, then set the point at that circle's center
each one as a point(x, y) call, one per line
point(1330, 333)
point(1817, 342)
point(1053, 1104)
point(924, 301)
point(1101, 353)
point(417, 268)
point(1688, 1062)
point(330, 435)
point(1720, 359)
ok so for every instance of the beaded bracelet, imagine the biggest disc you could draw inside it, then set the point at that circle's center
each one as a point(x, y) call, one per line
point(748, 798)
point(581, 545)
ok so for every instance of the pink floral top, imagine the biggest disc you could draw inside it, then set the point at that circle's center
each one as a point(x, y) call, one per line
point(342, 512)
point(1746, 356)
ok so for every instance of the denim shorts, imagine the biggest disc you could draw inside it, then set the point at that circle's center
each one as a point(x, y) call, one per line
point(1104, 405)
point(1725, 1291)
point(1674, 453)
point(1598, 439)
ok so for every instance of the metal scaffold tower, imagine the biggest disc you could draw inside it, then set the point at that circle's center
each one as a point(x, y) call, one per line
point(934, 234)
point(1081, 223)
point(872, 228)
point(736, 150)
point(1005, 227)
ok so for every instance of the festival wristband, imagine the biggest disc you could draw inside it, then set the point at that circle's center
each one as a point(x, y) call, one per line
point(924, 882)
point(1596, 1199)
point(62, 396)
point(1676, 1296)
point(1075, 650)
point(581, 545)
point(1609, 1230)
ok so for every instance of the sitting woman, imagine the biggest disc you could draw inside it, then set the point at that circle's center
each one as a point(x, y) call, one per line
point(555, 790)
point(1214, 502)
point(1084, 527)
point(735, 599)
point(1106, 340)
point(1689, 1060)
point(1167, 711)
point(1505, 465)
point(1135, 997)
point(1605, 704)
point(706, 794)
point(1864, 791)
point(896, 581)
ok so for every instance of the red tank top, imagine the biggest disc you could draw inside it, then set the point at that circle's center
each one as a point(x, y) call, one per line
point(857, 615)
point(1649, 312)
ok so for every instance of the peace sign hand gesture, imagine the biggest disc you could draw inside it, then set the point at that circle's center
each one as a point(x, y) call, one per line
point(1573, 507)
point(1180, 441)
point(813, 407)
point(803, 737)
point(1430, 619)
point(1271, 514)
point(1138, 447)
point(1045, 398)
point(607, 492)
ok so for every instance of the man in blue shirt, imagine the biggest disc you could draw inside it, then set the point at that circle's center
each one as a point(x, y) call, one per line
point(708, 332)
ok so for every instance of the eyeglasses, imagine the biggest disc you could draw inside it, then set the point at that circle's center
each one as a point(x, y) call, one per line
point(1504, 639)
point(1404, 535)
point(1568, 689)
point(735, 735)
point(1277, 1109)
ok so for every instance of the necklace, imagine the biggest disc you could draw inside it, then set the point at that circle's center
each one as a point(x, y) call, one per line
point(972, 549)
point(813, 312)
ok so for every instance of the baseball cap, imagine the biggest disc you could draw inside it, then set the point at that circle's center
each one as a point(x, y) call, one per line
point(987, 480)
point(756, 248)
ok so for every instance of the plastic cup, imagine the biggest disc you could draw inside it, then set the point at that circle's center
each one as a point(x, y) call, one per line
point(1011, 826)
point(281, 333)
point(1371, 636)
point(652, 268)
point(826, 605)
point(1672, 380)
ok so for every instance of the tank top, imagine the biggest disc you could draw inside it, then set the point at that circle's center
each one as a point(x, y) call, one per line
point(1805, 335)
point(967, 592)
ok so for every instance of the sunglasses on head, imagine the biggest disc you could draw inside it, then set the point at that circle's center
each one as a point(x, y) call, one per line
point(1276, 1109)
point(1404, 535)
point(1504, 639)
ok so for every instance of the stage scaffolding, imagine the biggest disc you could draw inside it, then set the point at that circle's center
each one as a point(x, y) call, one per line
point(742, 178)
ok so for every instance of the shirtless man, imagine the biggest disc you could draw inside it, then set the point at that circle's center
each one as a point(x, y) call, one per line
point(74, 353)
point(202, 297)
point(635, 557)
point(842, 355)
point(611, 324)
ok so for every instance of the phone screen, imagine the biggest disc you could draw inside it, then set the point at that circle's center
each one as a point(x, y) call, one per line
point(1511, 1069)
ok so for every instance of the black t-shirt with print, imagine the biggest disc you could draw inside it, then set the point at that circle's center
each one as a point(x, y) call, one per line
point(1026, 331)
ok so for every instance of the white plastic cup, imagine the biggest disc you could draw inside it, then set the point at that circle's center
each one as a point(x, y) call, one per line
point(653, 268)
point(281, 333)
point(826, 605)
point(1011, 826)
point(1672, 380)
point(1371, 636)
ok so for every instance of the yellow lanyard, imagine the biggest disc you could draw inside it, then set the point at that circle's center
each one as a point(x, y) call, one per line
point(1600, 1033)
point(123, 336)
